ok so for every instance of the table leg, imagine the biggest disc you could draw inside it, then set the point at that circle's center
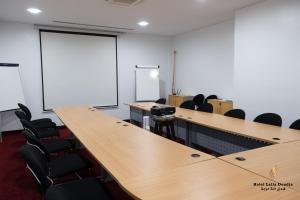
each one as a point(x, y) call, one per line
point(188, 135)
point(173, 134)
point(156, 128)
point(130, 113)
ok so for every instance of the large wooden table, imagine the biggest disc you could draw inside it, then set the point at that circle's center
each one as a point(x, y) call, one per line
point(148, 166)
point(262, 132)
point(213, 179)
point(279, 162)
point(123, 149)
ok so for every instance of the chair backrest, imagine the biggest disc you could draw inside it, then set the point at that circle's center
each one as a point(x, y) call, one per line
point(296, 125)
point(161, 101)
point(38, 164)
point(206, 107)
point(21, 115)
point(188, 105)
point(199, 99)
point(210, 97)
point(25, 110)
point(33, 140)
point(269, 118)
point(236, 113)
point(28, 126)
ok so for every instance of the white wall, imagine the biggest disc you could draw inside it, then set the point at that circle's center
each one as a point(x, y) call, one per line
point(267, 63)
point(20, 44)
point(255, 61)
point(205, 60)
point(140, 49)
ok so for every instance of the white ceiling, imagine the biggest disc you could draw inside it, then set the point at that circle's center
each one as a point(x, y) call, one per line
point(166, 17)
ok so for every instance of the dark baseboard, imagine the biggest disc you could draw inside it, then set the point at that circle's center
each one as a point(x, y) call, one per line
point(11, 132)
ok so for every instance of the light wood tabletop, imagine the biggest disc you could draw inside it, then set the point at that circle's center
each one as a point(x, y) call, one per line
point(209, 180)
point(263, 132)
point(124, 150)
point(279, 162)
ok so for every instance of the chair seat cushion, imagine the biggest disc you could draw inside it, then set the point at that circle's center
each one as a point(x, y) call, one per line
point(41, 124)
point(49, 132)
point(89, 189)
point(67, 164)
point(43, 120)
point(58, 145)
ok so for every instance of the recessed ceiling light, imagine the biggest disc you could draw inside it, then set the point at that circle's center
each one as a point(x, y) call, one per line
point(143, 23)
point(34, 11)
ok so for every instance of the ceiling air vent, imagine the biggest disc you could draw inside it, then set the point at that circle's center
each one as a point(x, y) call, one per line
point(124, 2)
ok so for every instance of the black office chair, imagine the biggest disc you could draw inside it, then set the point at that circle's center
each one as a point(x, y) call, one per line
point(206, 107)
point(161, 101)
point(89, 189)
point(236, 113)
point(269, 118)
point(39, 123)
point(21, 115)
point(42, 125)
point(199, 99)
point(169, 124)
point(52, 146)
point(42, 133)
point(46, 171)
point(296, 125)
point(188, 105)
point(210, 97)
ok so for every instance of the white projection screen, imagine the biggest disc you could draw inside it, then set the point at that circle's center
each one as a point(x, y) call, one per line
point(78, 69)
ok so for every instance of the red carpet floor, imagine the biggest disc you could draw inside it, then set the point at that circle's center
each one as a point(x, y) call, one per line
point(17, 183)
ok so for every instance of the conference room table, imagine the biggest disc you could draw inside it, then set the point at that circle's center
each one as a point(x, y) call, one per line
point(224, 125)
point(280, 162)
point(148, 166)
point(209, 180)
point(124, 150)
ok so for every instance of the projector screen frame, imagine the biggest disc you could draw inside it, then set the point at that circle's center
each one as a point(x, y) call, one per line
point(78, 33)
